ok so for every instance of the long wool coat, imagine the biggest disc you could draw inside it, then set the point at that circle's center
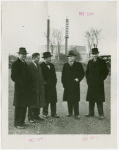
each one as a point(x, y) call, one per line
point(96, 73)
point(50, 82)
point(36, 86)
point(71, 87)
point(19, 74)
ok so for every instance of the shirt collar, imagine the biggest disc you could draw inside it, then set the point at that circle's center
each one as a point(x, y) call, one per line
point(34, 63)
point(46, 63)
point(94, 60)
point(71, 62)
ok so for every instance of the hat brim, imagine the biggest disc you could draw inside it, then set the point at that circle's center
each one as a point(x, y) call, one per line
point(22, 53)
point(95, 53)
point(70, 55)
point(47, 56)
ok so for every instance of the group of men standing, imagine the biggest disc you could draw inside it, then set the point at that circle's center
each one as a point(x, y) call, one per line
point(35, 86)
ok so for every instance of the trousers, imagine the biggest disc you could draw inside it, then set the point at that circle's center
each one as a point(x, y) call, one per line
point(52, 107)
point(33, 113)
point(19, 115)
point(71, 106)
point(99, 107)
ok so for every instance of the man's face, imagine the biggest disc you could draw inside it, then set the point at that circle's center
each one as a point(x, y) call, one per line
point(22, 56)
point(71, 58)
point(37, 59)
point(94, 56)
point(48, 60)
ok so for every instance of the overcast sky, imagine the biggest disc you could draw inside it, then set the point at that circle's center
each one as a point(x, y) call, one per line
point(24, 23)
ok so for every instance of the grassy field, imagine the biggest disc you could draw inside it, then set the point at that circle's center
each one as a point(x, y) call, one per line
point(65, 125)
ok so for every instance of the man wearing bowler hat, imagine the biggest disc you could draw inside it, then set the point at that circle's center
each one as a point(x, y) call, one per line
point(72, 74)
point(49, 75)
point(19, 74)
point(96, 73)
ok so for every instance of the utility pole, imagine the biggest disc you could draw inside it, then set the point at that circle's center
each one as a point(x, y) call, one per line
point(66, 35)
point(48, 33)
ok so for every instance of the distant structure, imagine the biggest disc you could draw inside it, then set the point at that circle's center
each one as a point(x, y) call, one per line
point(79, 50)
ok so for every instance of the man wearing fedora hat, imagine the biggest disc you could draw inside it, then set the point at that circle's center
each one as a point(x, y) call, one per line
point(96, 73)
point(19, 74)
point(49, 75)
point(72, 74)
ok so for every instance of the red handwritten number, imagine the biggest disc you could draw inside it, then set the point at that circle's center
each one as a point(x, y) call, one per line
point(89, 14)
point(90, 138)
point(39, 139)
point(93, 137)
point(85, 138)
point(81, 13)
point(31, 140)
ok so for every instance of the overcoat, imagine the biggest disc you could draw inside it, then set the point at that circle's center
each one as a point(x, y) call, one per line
point(50, 82)
point(19, 74)
point(36, 85)
point(71, 87)
point(96, 73)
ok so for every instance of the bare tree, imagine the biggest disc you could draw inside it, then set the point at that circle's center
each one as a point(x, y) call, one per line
point(52, 43)
point(92, 37)
point(56, 40)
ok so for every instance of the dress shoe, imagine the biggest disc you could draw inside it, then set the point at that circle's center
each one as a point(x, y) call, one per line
point(39, 118)
point(25, 124)
point(45, 116)
point(101, 117)
point(20, 127)
point(31, 121)
point(55, 116)
point(69, 115)
point(89, 115)
point(77, 117)
point(42, 117)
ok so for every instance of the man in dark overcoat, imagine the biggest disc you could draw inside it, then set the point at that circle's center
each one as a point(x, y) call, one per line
point(96, 73)
point(72, 74)
point(19, 74)
point(36, 88)
point(50, 79)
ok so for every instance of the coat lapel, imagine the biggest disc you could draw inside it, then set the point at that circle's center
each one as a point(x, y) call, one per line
point(92, 64)
point(40, 75)
point(95, 65)
point(33, 66)
point(72, 65)
point(21, 63)
point(47, 66)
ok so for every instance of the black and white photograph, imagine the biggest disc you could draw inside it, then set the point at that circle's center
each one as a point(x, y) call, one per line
point(60, 88)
